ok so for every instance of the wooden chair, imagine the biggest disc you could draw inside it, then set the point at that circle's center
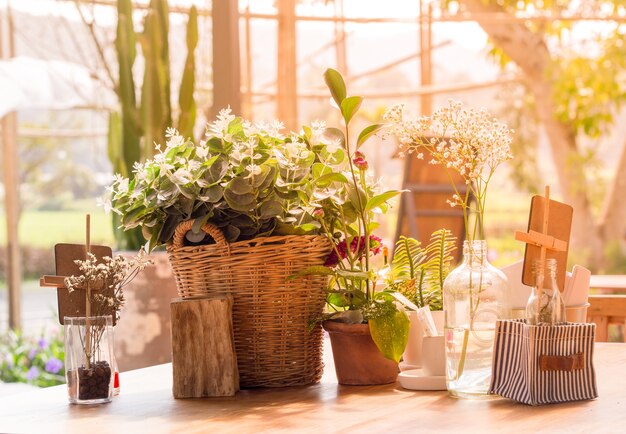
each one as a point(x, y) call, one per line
point(606, 310)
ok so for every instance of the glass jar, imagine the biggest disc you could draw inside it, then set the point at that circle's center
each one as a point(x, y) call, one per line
point(475, 295)
point(89, 362)
point(545, 305)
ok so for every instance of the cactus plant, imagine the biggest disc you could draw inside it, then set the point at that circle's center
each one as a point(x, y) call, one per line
point(136, 128)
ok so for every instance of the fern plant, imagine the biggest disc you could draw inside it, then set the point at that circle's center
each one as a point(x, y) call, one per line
point(418, 272)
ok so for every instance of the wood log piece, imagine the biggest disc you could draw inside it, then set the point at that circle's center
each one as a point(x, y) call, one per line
point(204, 361)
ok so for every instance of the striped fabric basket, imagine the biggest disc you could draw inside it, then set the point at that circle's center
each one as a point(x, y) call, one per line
point(543, 364)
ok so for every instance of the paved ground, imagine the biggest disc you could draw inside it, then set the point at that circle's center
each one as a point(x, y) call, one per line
point(38, 308)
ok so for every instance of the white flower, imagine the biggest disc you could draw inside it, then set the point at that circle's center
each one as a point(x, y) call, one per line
point(181, 177)
point(170, 132)
point(333, 146)
point(159, 158)
point(253, 169)
point(219, 127)
point(175, 141)
point(105, 202)
point(193, 165)
point(202, 151)
point(274, 128)
point(122, 185)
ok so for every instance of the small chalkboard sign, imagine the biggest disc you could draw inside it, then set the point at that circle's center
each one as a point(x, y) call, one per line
point(549, 228)
point(73, 304)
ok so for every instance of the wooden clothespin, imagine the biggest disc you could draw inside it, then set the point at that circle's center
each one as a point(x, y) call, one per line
point(549, 228)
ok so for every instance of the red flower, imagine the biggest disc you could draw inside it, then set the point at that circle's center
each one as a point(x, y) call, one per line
point(340, 251)
point(359, 161)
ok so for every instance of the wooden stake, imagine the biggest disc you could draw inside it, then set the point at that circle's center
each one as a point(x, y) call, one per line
point(542, 257)
point(88, 294)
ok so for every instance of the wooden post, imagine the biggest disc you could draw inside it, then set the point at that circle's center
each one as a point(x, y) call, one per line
point(286, 65)
point(425, 28)
point(204, 362)
point(246, 94)
point(11, 190)
point(340, 40)
point(226, 63)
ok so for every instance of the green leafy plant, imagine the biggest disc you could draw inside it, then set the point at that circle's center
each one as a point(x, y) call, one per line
point(37, 361)
point(418, 272)
point(248, 179)
point(346, 215)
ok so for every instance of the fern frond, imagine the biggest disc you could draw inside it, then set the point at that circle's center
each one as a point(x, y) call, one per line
point(438, 260)
point(407, 258)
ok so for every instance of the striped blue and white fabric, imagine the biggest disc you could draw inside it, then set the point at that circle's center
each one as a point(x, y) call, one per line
point(543, 364)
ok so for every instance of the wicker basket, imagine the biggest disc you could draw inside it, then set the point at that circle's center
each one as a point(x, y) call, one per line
point(273, 339)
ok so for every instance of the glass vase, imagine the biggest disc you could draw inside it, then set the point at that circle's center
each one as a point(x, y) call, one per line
point(89, 359)
point(474, 297)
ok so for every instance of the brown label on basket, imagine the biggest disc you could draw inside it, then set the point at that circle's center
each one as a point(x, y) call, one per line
point(574, 362)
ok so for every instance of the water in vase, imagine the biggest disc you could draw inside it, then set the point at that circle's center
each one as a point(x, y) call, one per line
point(468, 360)
point(474, 298)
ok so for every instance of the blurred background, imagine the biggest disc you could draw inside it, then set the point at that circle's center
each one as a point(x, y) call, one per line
point(73, 72)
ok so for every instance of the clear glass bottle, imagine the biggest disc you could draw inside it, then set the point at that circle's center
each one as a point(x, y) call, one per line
point(88, 359)
point(475, 295)
point(545, 304)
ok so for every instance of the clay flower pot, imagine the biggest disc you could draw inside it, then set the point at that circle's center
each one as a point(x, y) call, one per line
point(358, 362)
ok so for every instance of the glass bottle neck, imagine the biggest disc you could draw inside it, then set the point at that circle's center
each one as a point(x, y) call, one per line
point(475, 252)
point(545, 273)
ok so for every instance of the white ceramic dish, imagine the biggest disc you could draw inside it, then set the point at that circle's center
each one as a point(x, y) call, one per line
point(415, 379)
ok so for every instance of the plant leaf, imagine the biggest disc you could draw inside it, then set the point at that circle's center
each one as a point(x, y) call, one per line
point(328, 178)
point(437, 266)
point(379, 199)
point(367, 133)
point(336, 85)
point(390, 333)
point(350, 106)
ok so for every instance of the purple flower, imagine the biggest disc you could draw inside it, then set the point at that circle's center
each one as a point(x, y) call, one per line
point(32, 373)
point(43, 344)
point(32, 353)
point(53, 365)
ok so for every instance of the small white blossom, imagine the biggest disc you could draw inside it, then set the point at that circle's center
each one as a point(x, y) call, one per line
point(219, 127)
point(253, 169)
point(202, 151)
point(333, 146)
point(181, 177)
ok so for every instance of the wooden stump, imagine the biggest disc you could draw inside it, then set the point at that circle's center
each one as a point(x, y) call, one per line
point(203, 352)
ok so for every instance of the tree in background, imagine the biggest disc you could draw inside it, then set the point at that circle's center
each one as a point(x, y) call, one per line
point(575, 94)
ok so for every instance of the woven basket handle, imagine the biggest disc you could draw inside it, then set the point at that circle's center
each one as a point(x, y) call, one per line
point(184, 227)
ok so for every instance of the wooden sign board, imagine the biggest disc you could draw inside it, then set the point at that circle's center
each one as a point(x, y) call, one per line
point(73, 303)
point(559, 228)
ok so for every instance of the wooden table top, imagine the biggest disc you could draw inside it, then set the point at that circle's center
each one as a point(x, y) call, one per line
point(146, 405)
point(608, 282)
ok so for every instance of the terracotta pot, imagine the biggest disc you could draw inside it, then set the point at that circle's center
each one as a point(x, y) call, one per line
point(358, 362)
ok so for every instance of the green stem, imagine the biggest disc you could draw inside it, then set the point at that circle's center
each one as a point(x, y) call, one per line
point(363, 214)
point(461, 365)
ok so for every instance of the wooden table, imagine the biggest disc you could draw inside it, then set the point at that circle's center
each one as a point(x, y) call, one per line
point(608, 283)
point(146, 406)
